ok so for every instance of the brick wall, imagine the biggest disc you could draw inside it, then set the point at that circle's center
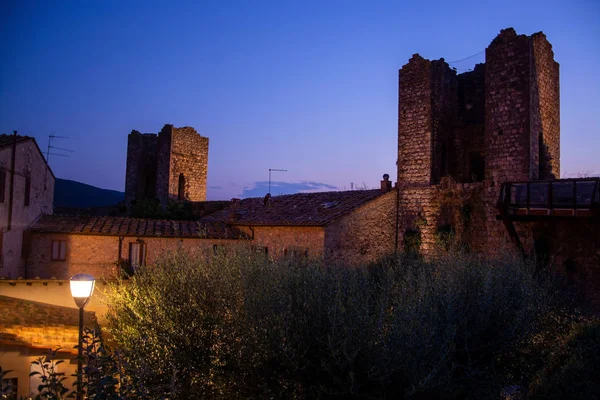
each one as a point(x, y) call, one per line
point(365, 235)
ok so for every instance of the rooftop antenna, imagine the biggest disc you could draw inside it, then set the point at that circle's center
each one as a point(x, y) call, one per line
point(277, 170)
point(51, 137)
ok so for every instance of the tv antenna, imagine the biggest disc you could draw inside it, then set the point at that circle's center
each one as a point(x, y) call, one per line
point(276, 170)
point(52, 137)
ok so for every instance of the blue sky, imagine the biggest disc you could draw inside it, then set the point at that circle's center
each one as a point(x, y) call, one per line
point(307, 86)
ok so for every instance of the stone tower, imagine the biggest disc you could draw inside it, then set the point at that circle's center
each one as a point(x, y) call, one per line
point(170, 166)
point(497, 123)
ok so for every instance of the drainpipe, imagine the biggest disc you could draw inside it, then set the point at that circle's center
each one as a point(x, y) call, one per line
point(119, 256)
point(397, 221)
point(12, 180)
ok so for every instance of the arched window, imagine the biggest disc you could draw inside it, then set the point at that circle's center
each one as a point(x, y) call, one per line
point(181, 192)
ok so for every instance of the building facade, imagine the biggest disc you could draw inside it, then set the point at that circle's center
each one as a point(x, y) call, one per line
point(26, 193)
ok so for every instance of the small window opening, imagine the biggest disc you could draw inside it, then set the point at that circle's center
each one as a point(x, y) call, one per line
point(181, 192)
point(59, 250)
point(412, 242)
point(476, 166)
point(137, 254)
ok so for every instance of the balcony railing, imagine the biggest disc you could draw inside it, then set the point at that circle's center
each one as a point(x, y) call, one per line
point(561, 197)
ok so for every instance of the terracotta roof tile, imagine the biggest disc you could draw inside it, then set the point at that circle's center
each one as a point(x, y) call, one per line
point(116, 226)
point(302, 209)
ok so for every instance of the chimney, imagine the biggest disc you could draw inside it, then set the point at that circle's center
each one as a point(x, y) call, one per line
point(386, 184)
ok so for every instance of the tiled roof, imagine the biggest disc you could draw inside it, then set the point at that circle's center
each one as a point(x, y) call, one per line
point(114, 226)
point(7, 140)
point(302, 209)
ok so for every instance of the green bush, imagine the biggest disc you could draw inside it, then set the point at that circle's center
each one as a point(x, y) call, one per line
point(241, 325)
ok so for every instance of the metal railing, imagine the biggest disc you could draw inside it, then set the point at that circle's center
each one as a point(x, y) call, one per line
point(574, 194)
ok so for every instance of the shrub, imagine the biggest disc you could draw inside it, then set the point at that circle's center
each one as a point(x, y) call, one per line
point(242, 325)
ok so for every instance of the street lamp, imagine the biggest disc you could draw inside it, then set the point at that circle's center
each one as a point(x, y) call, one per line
point(82, 287)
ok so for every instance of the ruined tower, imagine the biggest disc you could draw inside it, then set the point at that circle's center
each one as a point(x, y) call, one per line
point(170, 166)
point(496, 123)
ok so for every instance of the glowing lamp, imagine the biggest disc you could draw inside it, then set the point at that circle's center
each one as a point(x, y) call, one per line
point(82, 287)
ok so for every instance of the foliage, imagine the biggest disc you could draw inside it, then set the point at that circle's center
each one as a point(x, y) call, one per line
point(146, 208)
point(52, 386)
point(6, 388)
point(243, 326)
point(151, 208)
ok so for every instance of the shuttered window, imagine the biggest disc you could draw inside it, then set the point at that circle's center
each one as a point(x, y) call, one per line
point(137, 254)
point(59, 250)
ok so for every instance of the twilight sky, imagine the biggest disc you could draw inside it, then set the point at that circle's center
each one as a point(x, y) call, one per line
point(307, 86)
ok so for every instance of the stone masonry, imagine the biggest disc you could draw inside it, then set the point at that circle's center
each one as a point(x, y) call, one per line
point(170, 166)
point(476, 130)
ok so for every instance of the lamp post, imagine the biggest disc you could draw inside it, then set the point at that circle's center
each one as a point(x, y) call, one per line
point(82, 287)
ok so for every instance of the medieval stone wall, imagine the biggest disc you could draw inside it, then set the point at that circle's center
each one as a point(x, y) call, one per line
point(444, 109)
point(511, 147)
point(414, 122)
point(189, 159)
point(140, 176)
point(365, 235)
point(546, 110)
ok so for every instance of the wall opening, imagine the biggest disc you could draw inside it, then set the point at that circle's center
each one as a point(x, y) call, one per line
point(181, 191)
point(412, 242)
point(476, 166)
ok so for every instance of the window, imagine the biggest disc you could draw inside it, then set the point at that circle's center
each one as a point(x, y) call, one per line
point(137, 254)
point(27, 190)
point(218, 249)
point(59, 250)
point(181, 192)
point(260, 250)
point(2, 185)
point(295, 252)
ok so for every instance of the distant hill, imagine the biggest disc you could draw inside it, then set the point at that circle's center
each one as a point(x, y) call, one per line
point(76, 194)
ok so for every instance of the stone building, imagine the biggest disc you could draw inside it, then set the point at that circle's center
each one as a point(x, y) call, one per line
point(170, 166)
point(26, 193)
point(109, 247)
point(466, 139)
point(349, 227)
